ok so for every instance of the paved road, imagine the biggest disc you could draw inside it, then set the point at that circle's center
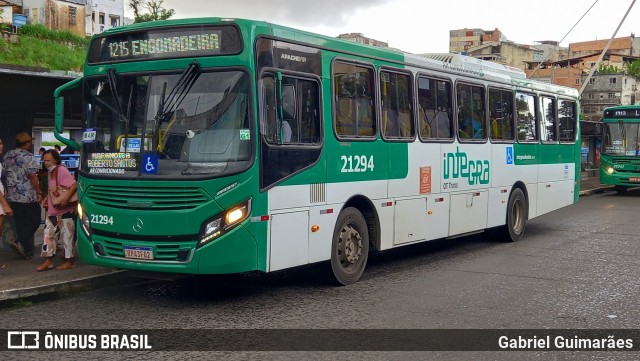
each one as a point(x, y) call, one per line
point(575, 268)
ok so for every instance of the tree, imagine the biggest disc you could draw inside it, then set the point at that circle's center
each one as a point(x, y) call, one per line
point(633, 68)
point(154, 8)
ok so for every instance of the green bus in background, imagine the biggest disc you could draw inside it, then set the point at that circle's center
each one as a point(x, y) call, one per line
point(225, 145)
point(620, 152)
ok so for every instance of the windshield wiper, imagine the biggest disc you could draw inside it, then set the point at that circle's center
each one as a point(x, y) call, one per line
point(112, 81)
point(117, 110)
point(172, 102)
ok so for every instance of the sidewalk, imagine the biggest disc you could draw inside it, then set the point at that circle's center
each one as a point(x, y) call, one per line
point(591, 184)
point(19, 279)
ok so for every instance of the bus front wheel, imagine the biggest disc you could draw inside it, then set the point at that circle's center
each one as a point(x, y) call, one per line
point(516, 216)
point(350, 247)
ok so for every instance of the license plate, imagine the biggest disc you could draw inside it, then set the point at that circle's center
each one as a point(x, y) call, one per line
point(634, 179)
point(138, 252)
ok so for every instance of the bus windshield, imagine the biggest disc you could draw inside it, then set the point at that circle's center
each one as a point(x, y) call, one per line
point(621, 139)
point(169, 125)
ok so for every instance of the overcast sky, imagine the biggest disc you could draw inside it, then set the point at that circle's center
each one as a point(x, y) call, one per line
point(421, 26)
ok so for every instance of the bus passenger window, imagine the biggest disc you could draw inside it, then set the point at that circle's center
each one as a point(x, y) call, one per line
point(353, 95)
point(471, 114)
point(548, 119)
point(567, 120)
point(500, 115)
point(526, 118)
point(434, 109)
point(397, 113)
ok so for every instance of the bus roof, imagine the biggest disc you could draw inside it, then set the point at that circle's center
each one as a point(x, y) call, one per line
point(452, 63)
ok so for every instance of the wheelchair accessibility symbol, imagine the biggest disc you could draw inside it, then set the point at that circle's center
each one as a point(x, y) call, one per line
point(149, 164)
point(509, 155)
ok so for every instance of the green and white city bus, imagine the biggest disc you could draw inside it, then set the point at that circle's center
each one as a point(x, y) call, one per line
point(226, 145)
point(620, 152)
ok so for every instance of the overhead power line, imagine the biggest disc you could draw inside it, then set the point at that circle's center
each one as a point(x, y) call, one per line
point(565, 36)
point(604, 51)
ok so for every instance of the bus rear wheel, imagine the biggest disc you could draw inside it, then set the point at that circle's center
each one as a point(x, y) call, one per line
point(350, 247)
point(516, 220)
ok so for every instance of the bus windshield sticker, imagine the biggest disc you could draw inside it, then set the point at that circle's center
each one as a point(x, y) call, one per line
point(245, 134)
point(89, 135)
point(150, 163)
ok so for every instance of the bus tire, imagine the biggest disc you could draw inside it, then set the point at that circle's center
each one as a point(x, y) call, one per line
point(517, 211)
point(349, 248)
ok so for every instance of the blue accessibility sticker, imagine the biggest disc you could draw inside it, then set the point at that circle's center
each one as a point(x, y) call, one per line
point(150, 163)
point(509, 155)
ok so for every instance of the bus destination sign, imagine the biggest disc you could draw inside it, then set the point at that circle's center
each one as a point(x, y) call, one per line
point(165, 43)
point(173, 45)
point(621, 113)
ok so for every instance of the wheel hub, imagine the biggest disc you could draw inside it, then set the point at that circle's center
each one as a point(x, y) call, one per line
point(349, 245)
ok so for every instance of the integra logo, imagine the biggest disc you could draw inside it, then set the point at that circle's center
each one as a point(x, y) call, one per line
point(300, 59)
point(458, 165)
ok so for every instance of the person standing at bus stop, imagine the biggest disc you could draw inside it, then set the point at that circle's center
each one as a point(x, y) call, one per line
point(5, 208)
point(23, 193)
point(60, 221)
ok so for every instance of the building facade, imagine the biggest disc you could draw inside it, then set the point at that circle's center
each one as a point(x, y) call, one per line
point(606, 90)
point(56, 14)
point(461, 40)
point(360, 38)
point(507, 53)
point(81, 17)
point(103, 15)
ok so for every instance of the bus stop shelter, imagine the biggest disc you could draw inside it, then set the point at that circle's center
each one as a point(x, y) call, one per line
point(27, 104)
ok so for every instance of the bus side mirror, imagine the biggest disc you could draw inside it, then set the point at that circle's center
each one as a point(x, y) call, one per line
point(59, 112)
point(59, 115)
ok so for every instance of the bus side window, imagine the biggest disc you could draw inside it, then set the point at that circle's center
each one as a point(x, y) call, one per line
point(354, 116)
point(548, 120)
point(397, 112)
point(501, 115)
point(526, 119)
point(434, 109)
point(291, 141)
point(567, 118)
point(471, 114)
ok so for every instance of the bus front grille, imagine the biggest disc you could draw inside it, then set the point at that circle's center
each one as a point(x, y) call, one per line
point(151, 199)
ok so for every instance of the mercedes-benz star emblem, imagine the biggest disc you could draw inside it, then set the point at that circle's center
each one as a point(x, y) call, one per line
point(137, 225)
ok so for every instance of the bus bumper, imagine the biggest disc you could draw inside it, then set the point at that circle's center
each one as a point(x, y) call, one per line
point(234, 252)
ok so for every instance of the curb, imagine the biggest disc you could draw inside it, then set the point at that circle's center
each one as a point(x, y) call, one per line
point(119, 277)
point(589, 192)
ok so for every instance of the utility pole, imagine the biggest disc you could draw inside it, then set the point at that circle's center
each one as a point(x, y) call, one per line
point(604, 51)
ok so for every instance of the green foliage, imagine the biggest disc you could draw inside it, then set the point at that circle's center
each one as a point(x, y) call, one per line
point(633, 68)
point(36, 52)
point(22, 303)
point(154, 8)
point(608, 69)
point(42, 32)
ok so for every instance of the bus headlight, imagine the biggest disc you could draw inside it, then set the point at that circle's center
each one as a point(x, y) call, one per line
point(84, 221)
point(223, 222)
point(609, 170)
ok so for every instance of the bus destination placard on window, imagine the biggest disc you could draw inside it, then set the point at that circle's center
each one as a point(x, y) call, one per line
point(111, 163)
point(165, 43)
